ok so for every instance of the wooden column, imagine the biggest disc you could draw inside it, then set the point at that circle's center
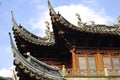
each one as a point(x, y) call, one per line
point(73, 58)
point(77, 60)
point(99, 61)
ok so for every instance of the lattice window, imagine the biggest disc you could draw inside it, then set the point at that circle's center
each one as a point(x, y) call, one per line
point(91, 62)
point(87, 65)
point(111, 62)
point(82, 63)
point(116, 62)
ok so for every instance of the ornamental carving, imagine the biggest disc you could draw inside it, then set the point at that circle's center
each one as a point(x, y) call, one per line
point(119, 21)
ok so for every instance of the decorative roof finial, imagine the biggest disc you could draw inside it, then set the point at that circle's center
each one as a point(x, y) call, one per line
point(12, 12)
point(78, 16)
point(51, 10)
point(48, 1)
point(92, 23)
point(80, 24)
point(47, 31)
point(118, 20)
point(47, 25)
point(13, 21)
point(12, 15)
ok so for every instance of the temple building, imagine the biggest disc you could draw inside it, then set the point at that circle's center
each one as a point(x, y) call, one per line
point(69, 52)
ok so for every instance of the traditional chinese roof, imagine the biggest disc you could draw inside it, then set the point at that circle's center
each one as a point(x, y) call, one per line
point(95, 35)
point(30, 37)
point(34, 67)
point(57, 45)
point(83, 27)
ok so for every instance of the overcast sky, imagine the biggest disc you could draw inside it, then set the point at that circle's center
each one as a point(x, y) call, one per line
point(33, 13)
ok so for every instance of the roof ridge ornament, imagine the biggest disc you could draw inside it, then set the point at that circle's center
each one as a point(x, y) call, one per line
point(92, 23)
point(47, 31)
point(118, 20)
point(12, 13)
point(47, 25)
point(78, 16)
point(80, 23)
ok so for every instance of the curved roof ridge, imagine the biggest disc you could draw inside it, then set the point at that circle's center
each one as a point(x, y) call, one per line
point(33, 66)
point(93, 28)
point(83, 27)
point(52, 11)
point(30, 36)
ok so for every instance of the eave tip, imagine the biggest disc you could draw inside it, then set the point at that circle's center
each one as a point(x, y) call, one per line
point(12, 13)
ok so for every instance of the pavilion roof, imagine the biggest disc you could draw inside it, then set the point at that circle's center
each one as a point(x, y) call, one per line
point(83, 27)
point(30, 37)
point(33, 66)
